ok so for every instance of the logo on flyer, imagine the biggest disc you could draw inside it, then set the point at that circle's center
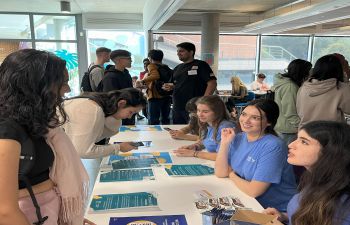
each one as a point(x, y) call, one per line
point(142, 222)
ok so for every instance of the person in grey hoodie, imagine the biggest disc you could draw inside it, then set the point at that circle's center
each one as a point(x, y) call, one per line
point(286, 87)
point(324, 96)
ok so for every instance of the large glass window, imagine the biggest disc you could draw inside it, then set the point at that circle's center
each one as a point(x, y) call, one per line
point(278, 51)
point(329, 45)
point(49, 27)
point(133, 42)
point(13, 26)
point(236, 58)
point(167, 43)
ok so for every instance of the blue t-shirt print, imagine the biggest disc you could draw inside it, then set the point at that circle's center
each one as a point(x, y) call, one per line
point(264, 160)
point(209, 141)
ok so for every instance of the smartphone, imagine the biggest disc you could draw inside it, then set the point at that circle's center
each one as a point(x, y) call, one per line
point(137, 144)
point(167, 128)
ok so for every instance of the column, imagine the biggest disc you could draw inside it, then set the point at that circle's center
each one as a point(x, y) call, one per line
point(210, 40)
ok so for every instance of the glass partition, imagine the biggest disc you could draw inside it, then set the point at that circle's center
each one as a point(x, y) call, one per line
point(14, 26)
point(278, 51)
point(237, 55)
point(329, 45)
point(48, 27)
point(133, 42)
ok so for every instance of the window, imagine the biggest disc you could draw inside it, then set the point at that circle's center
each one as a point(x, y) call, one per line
point(48, 27)
point(278, 51)
point(13, 26)
point(236, 58)
point(167, 43)
point(133, 42)
point(329, 45)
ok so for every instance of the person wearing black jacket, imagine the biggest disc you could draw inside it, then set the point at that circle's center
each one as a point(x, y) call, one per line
point(118, 77)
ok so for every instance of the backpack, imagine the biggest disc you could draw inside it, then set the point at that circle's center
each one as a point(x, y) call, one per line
point(165, 74)
point(85, 81)
point(26, 163)
point(270, 95)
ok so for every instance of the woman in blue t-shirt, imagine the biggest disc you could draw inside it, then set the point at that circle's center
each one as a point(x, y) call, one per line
point(323, 148)
point(256, 159)
point(213, 117)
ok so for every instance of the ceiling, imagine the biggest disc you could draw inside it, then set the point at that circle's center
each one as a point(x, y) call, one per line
point(236, 16)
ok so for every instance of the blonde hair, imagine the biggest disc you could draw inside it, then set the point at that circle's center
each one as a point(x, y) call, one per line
point(236, 84)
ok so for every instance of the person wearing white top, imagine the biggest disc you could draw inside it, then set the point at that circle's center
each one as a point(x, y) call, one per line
point(259, 84)
point(95, 116)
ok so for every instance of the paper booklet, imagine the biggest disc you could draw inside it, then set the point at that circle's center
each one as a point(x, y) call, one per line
point(108, 202)
point(189, 170)
point(127, 175)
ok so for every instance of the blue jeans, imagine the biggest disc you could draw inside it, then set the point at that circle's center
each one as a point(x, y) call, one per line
point(159, 110)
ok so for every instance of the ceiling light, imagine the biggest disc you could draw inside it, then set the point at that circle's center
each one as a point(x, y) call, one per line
point(65, 7)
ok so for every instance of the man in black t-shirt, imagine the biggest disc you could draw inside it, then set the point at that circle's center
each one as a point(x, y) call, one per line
point(118, 77)
point(192, 78)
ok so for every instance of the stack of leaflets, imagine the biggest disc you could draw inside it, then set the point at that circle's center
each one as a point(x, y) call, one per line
point(134, 163)
point(127, 175)
point(189, 170)
point(156, 220)
point(109, 202)
point(162, 157)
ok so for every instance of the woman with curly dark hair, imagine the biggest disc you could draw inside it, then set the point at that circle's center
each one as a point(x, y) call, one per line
point(32, 83)
point(323, 148)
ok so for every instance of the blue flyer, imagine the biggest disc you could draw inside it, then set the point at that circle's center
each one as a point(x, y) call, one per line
point(123, 201)
point(140, 128)
point(162, 157)
point(147, 220)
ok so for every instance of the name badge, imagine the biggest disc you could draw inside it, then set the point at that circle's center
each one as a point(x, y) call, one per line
point(194, 68)
point(192, 72)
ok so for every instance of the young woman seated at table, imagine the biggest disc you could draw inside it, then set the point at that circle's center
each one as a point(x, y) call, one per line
point(323, 148)
point(239, 90)
point(95, 116)
point(213, 117)
point(191, 131)
point(256, 159)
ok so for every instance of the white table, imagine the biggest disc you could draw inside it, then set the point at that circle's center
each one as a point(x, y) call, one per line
point(176, 195)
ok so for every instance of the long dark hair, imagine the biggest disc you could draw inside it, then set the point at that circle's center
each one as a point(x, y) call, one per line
point(271, 110)
point(298, 71)
point(108, 101)
point(326, 67)
point(325, 188)
point(30, 83)
point(215, 104)
point(191, 108)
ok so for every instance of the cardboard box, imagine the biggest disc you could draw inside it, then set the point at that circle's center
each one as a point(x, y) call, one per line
point(247, 217)
point(243, 217)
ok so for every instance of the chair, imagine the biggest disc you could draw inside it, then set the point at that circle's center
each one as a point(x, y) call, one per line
point(240, 106)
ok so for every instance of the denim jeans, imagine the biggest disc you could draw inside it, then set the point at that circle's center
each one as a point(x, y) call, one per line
point(159, 110)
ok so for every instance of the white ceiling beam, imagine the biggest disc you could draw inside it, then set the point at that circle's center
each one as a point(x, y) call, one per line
point(329, 10)
point(157, 12)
